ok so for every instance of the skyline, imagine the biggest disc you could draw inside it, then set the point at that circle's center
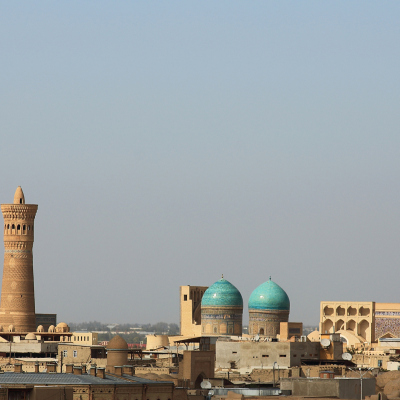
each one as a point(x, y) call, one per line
point(167, 144)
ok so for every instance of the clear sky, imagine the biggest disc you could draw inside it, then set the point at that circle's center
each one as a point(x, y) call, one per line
point(169, 142)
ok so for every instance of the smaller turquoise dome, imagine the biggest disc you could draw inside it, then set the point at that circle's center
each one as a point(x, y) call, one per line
point(269, 296)
point(222, 293)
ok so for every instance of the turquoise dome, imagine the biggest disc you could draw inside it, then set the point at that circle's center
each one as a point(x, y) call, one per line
point(269, 296)
point(222, 293)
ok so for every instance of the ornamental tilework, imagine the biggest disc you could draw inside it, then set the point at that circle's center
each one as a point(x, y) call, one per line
point(386, 325)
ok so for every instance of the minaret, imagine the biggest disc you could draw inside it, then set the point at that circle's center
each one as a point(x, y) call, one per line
point(17, 307)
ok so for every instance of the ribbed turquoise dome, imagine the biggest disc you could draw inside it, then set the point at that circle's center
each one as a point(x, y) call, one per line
point(222, 293)
point(269, 296)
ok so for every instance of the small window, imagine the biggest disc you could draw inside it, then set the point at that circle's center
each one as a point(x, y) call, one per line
point(65, 353)
point(379, 363)
point(265, 355)
point(294, 355)
point(29, 227)
point(282, 355)
point(13, 226)
point(75, 353)
point(234, 352)
point(302, 355)
point(215, 329)
point(185, 297)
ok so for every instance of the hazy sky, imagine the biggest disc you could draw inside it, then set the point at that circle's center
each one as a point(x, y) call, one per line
point(169, 142)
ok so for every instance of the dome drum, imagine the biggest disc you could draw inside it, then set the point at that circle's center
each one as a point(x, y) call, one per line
point(222, 320)
point(267, 323)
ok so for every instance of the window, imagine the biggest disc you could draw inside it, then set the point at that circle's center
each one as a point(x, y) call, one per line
point(65, 353)
point(282, 355)
point(265, 355)
point(234, 352)
point(75, 353)
point(185, 297)
point(379, 363)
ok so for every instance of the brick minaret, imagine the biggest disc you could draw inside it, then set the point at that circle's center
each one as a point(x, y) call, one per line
point(17, 305)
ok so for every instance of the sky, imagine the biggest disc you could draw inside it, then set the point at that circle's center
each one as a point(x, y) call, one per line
point(167, 143)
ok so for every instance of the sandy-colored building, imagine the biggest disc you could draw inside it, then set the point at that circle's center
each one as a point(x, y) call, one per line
point(190, 309)
point(85, 338)
point(248, 355)
point(360, 322)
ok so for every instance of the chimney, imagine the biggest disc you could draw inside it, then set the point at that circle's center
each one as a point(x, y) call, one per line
point(18, 368)
point(83, 369)
point(36, 368)
point(128, 369)
point(101, 373)
point(93, 370)
point(77, 370)
point(69, 368)
point(51, 367)
point(118, 370)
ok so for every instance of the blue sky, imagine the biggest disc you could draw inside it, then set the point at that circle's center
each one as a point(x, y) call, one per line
point(167, 143)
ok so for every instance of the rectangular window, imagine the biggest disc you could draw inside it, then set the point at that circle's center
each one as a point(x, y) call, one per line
point(234, 352)
point(75, 353)
point(294, 355)
point(282, 355)
point(65, 353)
point(185, 297)
point(265, 355)
point(379, 363)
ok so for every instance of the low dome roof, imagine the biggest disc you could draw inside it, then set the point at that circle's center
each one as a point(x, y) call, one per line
point(30, 336)
point(269, 296)
point(117, 343)
point(222, 293)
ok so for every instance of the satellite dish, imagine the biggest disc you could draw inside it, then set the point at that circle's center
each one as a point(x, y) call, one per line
point(325, 342)
point(205, 385)
point(347, 356)
point(257, 337)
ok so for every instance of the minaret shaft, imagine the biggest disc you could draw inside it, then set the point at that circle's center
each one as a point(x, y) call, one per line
point(17, 305)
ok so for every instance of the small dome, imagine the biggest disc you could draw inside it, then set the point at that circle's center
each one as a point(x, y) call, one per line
point(62, 325)
point(30, 336)
point(40, 328)
point(19, 197)
point(117, 343)
point(269, 296)
point(51, 328)
point(222, 293)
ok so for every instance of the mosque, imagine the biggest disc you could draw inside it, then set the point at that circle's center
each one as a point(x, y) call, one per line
point(218, 310)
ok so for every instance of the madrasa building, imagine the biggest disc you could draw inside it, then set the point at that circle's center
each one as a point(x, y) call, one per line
point(218, 310)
